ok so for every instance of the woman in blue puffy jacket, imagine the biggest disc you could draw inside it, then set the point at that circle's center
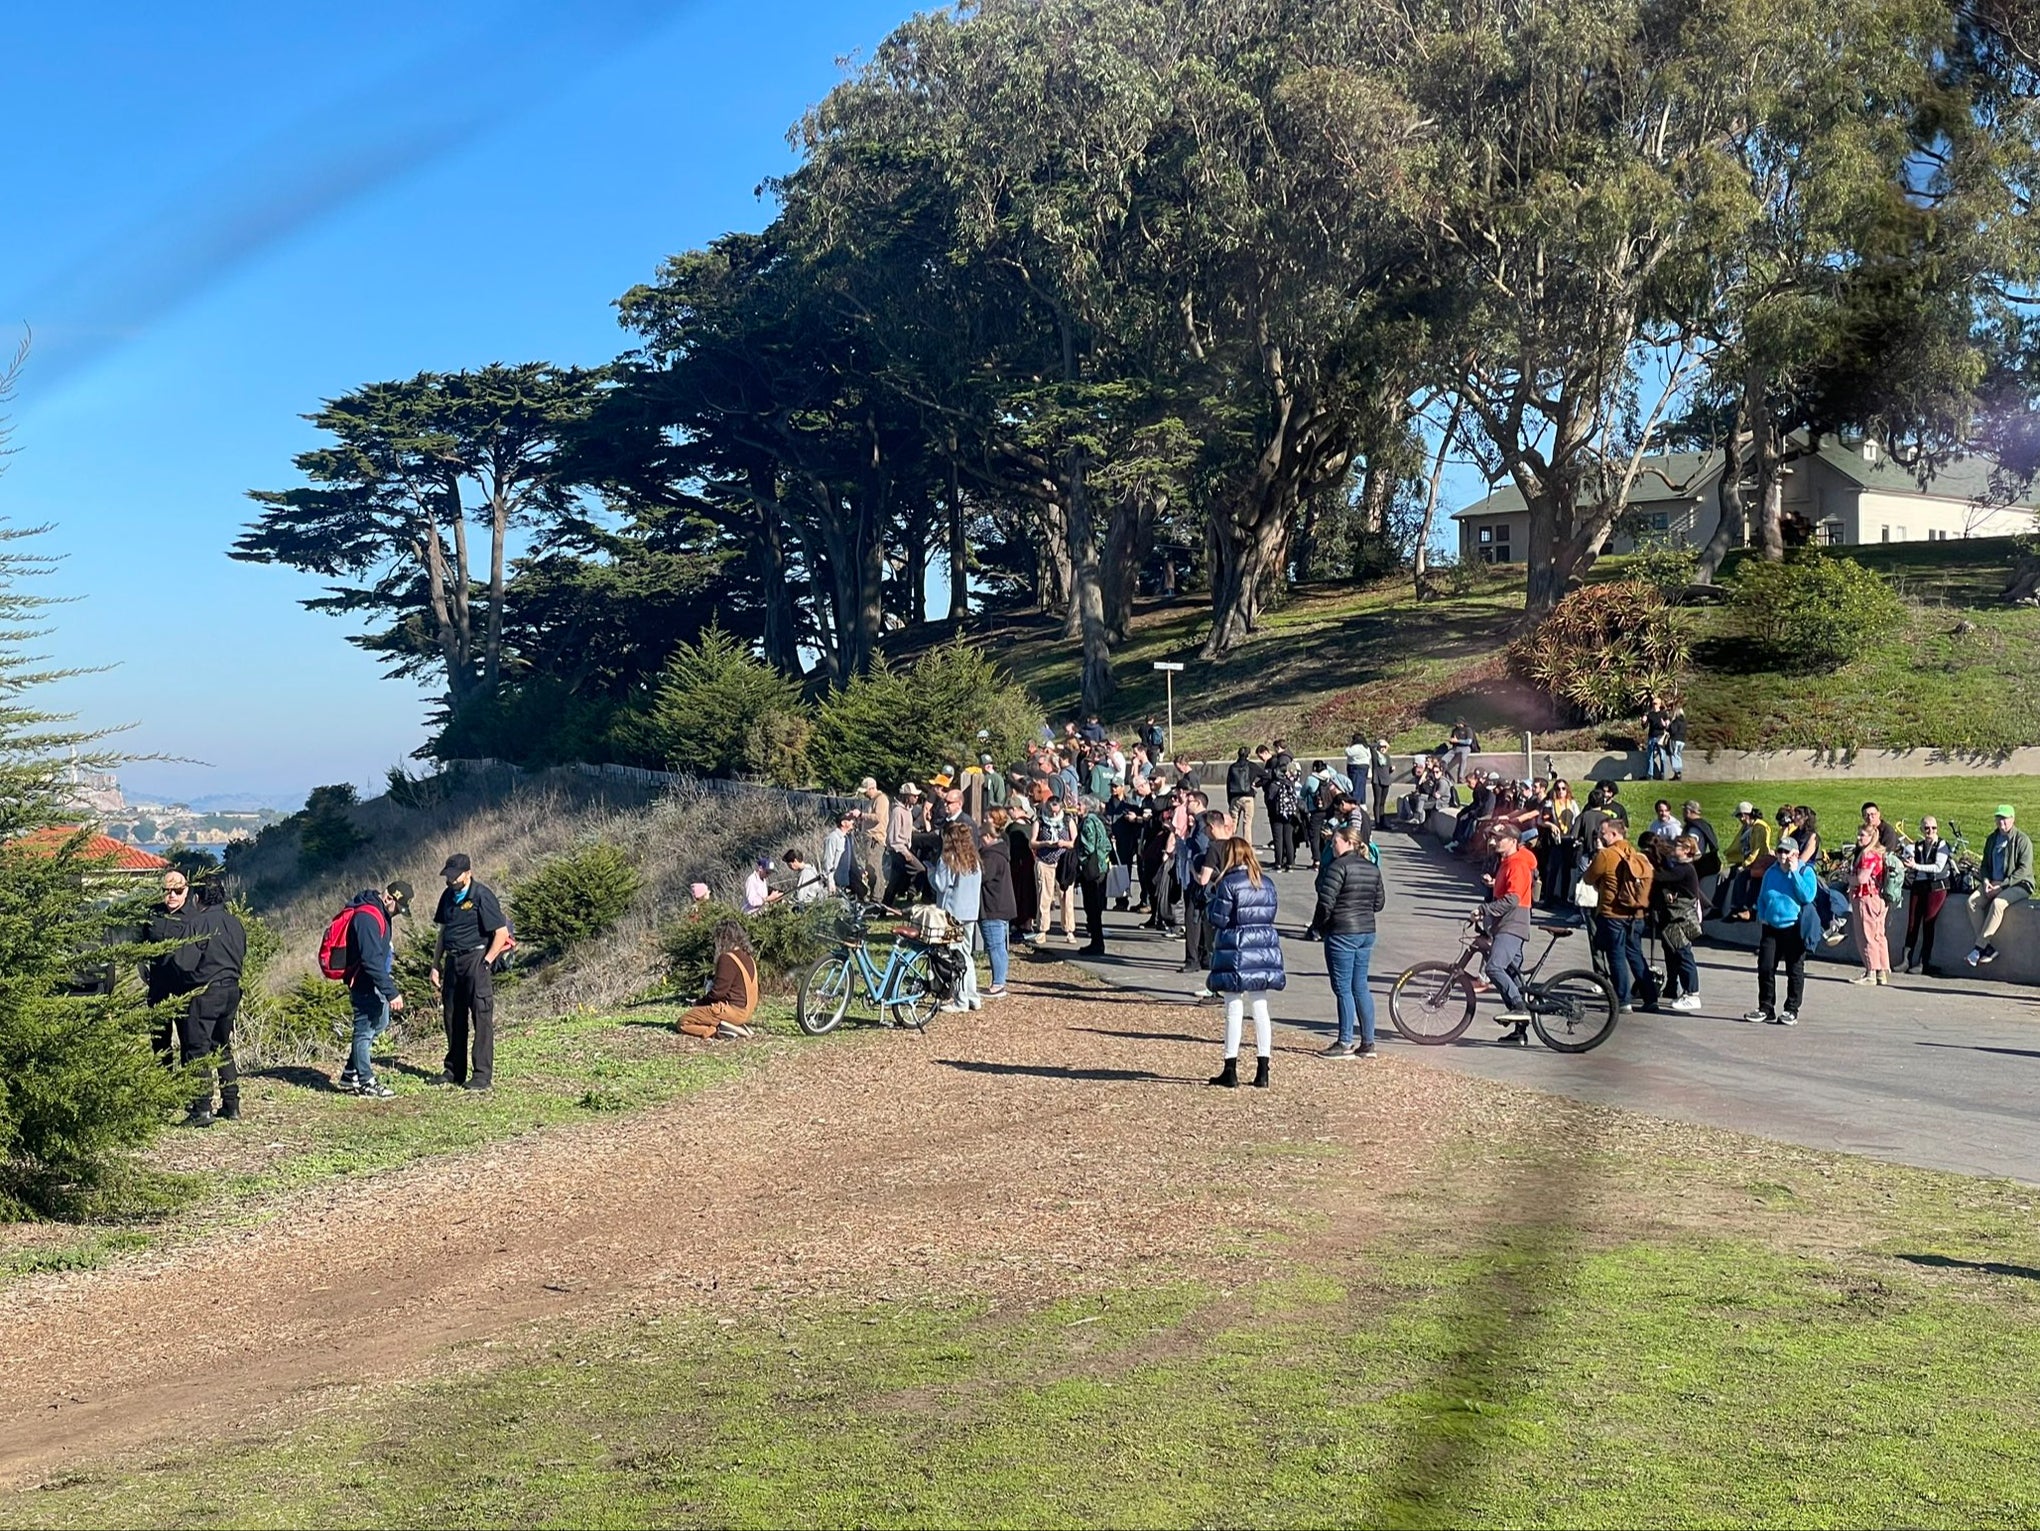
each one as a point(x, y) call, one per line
point(1246, 955)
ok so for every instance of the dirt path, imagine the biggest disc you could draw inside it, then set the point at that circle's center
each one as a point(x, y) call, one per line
point(1061, 1138)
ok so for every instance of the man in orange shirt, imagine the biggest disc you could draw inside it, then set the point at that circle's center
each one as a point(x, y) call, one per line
point(1509, 918)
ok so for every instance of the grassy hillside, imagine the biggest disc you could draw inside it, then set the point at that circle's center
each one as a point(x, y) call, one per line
point(1963, 672)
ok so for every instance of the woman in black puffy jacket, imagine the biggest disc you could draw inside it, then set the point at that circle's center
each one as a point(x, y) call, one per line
point(1246, 956)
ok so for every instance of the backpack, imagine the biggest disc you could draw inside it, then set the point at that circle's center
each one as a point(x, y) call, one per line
point(337, 958)
point(1628, 881)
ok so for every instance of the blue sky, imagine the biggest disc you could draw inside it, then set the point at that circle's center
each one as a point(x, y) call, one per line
point(220, 215)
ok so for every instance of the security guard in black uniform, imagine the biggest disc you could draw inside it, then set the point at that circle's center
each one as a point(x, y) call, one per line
point(472, 935)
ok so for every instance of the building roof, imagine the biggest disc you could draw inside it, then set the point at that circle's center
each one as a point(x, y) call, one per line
point(118, 854)
point(1679, 476)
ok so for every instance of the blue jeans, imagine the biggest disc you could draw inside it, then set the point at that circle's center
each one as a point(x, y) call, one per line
point(1505, 962)
point(371, 1020)
point(1622, 940)
point(995, 933)
point(1346, 959)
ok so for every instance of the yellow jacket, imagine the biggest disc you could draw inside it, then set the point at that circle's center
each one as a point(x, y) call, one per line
point(1753, 841)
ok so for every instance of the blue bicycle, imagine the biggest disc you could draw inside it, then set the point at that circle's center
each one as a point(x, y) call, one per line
point(904, 990)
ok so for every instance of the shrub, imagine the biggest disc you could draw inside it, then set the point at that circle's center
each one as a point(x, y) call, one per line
point(1605, 650)
point(1665, 566)
point(897, 723)
point(326, 832)
point(789, 939)
point(711, 702)
point(573, 897)
point(307, 1020)
point(1812, 611)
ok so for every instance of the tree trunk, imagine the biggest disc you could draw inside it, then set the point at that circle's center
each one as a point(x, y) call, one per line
point(1731, 525)
point(1128, 542)
point(1087, 590)
point(1246, 553)
point(1770, 485)
point(768, 544)
point(959, 548)
point(1421, 558)
point(499, 536)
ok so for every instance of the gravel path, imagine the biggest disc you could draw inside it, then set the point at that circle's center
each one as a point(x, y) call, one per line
point(1062, 1138)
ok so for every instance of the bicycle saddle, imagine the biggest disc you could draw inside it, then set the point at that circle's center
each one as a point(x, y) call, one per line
point(1560, 930)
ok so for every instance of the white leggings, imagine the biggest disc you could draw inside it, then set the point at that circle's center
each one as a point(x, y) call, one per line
point(1264, 1028)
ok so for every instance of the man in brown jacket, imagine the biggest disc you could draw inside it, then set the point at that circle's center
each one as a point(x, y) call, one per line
point(1620, 876)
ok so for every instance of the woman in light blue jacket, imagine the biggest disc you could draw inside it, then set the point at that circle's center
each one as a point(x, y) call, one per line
point(958, 881)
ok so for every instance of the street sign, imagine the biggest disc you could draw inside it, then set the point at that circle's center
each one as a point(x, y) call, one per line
point(1171, 670)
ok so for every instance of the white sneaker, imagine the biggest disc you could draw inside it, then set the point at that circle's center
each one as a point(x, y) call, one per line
point(1864, 978)
point(1205, 991)
point(1755, 1015)
point(1787, 1018)
point(1686, 1002)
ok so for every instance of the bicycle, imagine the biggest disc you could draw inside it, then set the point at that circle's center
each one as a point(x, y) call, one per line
point(1434, 1002)
point(904, 991)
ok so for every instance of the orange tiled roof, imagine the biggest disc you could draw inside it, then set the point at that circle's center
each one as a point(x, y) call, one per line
point(121, 856)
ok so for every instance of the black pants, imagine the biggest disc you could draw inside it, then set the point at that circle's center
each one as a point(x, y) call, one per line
point(1285, 844)
point(205, 1034)
point(1093, 890)
point(1381, 802)
point(1775, 946)
point(469, 998)
point(1150, 887)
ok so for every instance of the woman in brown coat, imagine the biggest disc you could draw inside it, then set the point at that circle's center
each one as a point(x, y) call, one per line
point(732, 997)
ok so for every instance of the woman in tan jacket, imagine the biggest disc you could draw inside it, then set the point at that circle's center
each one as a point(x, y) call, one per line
point(732, 997)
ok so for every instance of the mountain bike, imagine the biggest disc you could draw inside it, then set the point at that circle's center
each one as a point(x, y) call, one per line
point(903, 990)
point(1434, 1002)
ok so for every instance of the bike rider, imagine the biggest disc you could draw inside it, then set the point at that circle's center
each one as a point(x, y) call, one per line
point(1507, 916)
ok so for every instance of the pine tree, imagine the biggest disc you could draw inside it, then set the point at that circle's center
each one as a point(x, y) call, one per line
point(78, 1081)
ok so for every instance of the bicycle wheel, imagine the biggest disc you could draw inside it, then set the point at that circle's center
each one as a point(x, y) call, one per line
point(1432, 1003)
point(914, 993)
point(825, 994)
point(1574, 1012)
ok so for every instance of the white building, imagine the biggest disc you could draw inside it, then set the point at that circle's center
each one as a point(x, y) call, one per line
point(1838, 496)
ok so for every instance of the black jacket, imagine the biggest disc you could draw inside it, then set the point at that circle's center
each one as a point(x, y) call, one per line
point(1240, 777)
point(163, 974)
point(995, 890)
point(1350, 893)
point(368, 939)
point(220, 950)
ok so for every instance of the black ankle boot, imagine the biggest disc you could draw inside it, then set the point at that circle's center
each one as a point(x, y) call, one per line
point(1229, 1076)
point(230, 1109)
point(1260, 1073)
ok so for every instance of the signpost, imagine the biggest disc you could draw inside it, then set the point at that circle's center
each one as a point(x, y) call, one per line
point(1171, 671)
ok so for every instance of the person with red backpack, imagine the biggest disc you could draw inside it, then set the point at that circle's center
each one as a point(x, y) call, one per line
point(358, 950)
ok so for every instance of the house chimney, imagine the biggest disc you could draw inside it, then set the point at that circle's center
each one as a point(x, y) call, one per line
point(1870, 449)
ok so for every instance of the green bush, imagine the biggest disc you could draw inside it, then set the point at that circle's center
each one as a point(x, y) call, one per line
point(326, 832)
point(1665, 566)
point(1605, 650)
point(307, 1020)
point(789, 939)
point(1812, 611)
point(893, 724)
point(716, 704)
point(573, 897)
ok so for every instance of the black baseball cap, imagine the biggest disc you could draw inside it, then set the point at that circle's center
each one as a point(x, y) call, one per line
point(455, 864)
point(399, 895)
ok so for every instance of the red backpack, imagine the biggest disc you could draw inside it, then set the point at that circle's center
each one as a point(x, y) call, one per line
point(337, 959)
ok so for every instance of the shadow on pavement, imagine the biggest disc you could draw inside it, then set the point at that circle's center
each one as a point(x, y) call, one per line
point(1966, 1047)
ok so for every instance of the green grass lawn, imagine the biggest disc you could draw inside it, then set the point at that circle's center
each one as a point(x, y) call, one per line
point(1337, 659)
point(1967, 801)
point(1556, 1336)
point(298, 1131)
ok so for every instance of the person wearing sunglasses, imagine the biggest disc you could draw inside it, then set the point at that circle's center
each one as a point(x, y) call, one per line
point(1927, 864)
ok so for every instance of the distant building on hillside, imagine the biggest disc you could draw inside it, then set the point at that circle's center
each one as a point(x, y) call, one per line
point(121, 859)
point(1838, 496)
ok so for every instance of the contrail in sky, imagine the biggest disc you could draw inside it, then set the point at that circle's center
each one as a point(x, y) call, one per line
point(323, 162)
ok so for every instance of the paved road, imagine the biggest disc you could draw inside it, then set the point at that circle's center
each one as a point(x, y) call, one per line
point(1943, 1073)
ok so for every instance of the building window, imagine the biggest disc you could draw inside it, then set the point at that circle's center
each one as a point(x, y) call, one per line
point(1831, 533)
point(1487, 534)
point(1661, 522)
point(1494, 544)
point(1901, 535)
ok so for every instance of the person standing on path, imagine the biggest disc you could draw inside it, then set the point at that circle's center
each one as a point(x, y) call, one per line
point(839, 855)
point(1675, 895)
point(1054, 837)
point(472, 935)
point(732, 999)
point(1092, 847)
point(1867, 905)
point(998, 907)
point(1926, 879)
point(1557, 852)
point(1508, 918)
point(1381, 774)
point(1787, 889)
point(206, 1030)
point(1350, 893)
point(1199, 863)
point(372, 983)
point(872, 824)
point(1246, 956)
point(2006, 874)
point(958, 879)
point(1620, 876)
point(168, 920)
point(1240, 779)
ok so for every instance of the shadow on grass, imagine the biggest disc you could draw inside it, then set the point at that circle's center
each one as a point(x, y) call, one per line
point(1989, 1267)
point(303, 1077)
